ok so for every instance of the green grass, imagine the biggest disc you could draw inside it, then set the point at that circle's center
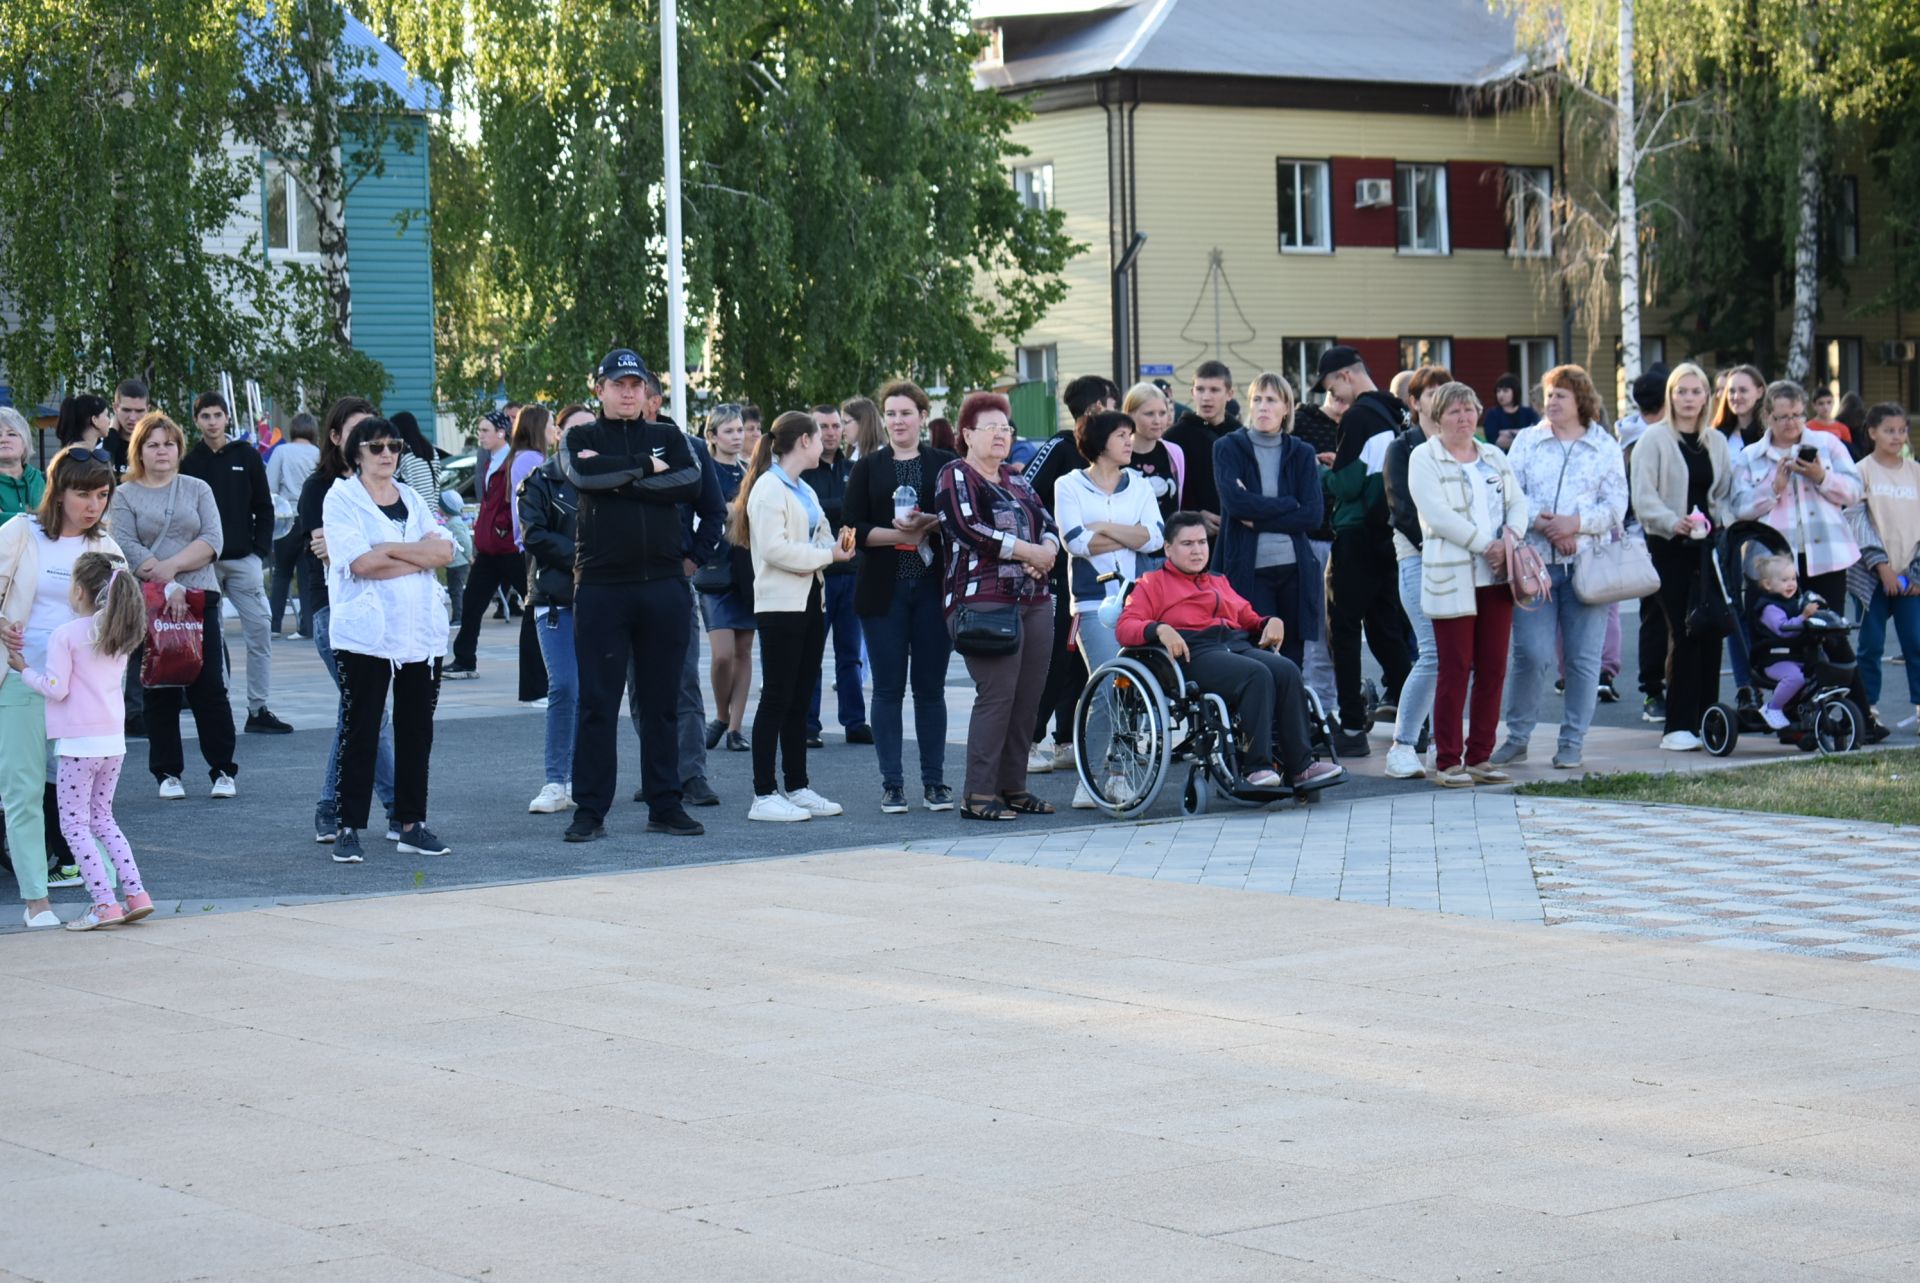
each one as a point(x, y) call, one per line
point(1882, 787)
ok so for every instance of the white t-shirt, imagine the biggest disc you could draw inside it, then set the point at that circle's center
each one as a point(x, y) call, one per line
point(51, 607)
point(1489, 514)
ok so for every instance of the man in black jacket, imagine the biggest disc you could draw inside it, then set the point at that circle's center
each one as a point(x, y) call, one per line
point(1210, 419)
point(829, 481)
point(630, 594)
point(239, 482)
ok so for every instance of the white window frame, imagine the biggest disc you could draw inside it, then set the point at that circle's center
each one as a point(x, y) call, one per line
point(1048, 357)
point(1419, 350)
point(1406, 217)
point(1842, 363)
point(1520, 353)
point(1034, 183)
point(1322, 199)
point(1300, 361)
point(1529, 211)
point(297, 202)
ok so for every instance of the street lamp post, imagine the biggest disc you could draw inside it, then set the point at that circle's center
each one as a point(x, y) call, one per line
point(676, 270)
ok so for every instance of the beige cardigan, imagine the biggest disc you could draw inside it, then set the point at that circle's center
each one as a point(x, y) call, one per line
point(20, 540)
point(1658, 475)
point(786, 563)
point(1443, 494)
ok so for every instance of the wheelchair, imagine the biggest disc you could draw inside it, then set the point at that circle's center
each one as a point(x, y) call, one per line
point(1158, 719)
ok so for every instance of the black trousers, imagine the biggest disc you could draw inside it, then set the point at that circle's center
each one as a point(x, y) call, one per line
point(1275, 593)
point(489, 573)
point(1066, 671)
point(1265, 693)
point(791, 644)
point(651, 624)
point(1363, 590)
point(287, 562)
point(1653, 643)
point(207, 697)
point(364, 682)
point(1692, 666)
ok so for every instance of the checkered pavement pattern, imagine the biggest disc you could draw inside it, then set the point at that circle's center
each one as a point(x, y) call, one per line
point(1737, 880)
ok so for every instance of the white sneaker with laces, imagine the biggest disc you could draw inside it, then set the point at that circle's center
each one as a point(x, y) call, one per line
point(1040, 758)
point(1403, 763)
point(775, 809)
point(1083, 800)
point(1063, 756)
point(813, 804)
point(171, 789)
point(1774, 718)
point(1680, 742)
point(550, 798)
point(223, 786)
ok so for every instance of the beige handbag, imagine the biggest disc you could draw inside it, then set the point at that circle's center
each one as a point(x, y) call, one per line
point(1614, 569)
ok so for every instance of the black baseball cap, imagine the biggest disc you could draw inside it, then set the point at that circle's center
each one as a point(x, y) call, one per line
point(1335, 359)
point(621, 363)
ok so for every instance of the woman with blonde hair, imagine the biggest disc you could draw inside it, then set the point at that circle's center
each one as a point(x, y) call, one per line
point(1576, 487)
point(868, 434)
point(1270, 497)
point(1159, 460)
point(1682, 490)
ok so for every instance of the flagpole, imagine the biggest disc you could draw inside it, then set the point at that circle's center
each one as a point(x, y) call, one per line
point(676, 270)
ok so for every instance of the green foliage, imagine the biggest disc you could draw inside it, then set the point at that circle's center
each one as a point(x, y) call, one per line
point(845, 194)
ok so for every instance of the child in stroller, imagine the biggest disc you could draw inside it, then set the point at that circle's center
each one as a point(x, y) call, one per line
point(1785, 627)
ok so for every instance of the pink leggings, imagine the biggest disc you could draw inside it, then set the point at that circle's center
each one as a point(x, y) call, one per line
point(86, 812)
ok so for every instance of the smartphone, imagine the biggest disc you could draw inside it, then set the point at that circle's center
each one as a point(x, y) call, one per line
point(1808, 453)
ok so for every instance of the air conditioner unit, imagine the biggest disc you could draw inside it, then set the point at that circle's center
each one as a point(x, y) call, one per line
point(1372, 193)
point(1899, 352)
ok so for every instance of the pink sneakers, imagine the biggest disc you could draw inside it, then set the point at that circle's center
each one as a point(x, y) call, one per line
point(138, 907)
point(98, 915)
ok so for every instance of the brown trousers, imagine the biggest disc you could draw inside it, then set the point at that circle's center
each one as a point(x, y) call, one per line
point(1006, 699)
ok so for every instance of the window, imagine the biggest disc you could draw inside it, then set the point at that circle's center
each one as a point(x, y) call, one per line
point(1420, 200)
point(1035, 185)
point(1839, 365)
point(1037, 364)
point(1528, 359)
point(1300, 361)
point(1846, 220)
point(293, 220)
point(1529, 211)
point(1305, 221)
point(1653, 351)
point(1415, 353)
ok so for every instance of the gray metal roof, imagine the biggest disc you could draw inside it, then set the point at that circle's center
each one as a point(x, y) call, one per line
point(1426, 42)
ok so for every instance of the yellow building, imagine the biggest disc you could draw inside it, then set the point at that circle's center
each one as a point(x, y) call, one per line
point(1306, 174)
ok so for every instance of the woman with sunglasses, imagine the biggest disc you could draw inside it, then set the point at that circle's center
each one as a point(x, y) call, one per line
point(383, 547)
point(37, 552)
point(169, 525)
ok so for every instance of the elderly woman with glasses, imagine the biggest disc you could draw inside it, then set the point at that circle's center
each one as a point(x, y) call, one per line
point(21, 484)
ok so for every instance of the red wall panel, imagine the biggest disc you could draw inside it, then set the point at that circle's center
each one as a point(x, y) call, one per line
point(1478, 362)
point(1382, 357)
point(1477, 205)
point(1362, 227)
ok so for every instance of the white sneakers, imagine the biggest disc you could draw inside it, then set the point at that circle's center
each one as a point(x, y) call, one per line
point(791, 808)
point(1083, 800)
point(1403, 763)
point(1774, 718)
point(223, 786)
point(171, 790)
point(551, 798)
point(1680, 742)
point(1040, 758)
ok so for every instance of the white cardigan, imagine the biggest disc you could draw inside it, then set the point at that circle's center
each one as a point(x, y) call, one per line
point(403, 619)
point(1444, 493)
point(786, 561)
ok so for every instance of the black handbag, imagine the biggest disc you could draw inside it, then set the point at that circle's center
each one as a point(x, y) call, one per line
point(715, 576)
point(986, 632)
point(1709, 617)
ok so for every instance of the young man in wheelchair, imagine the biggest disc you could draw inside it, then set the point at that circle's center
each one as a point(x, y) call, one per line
point(1207, 626)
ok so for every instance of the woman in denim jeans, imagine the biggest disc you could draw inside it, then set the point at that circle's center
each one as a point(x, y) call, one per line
point(897, 585)
point(342, 417)
point(1575, 481)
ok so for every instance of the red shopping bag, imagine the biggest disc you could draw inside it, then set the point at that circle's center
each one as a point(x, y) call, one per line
point(173, 652)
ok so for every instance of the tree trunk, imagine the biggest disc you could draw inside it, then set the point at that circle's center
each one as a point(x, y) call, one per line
point(1806, 248)
point(1628, 222)
point(327, 179)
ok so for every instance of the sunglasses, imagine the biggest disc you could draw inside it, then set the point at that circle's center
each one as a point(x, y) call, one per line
point(88, 452)
point(384, 446)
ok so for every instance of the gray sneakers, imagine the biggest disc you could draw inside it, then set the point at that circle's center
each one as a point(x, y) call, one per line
point(1511, 751)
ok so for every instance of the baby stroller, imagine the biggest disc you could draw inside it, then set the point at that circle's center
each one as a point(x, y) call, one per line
point(1823, 715)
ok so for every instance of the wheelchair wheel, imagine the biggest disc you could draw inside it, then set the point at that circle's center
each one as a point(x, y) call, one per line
point(1838, 726)
point(1199, 792)
point(1223, 764)
point(1320, 729)
point(1720, 729)
point(1123, 763)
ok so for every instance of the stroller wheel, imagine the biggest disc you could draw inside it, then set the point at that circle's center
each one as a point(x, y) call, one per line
point(1720, 729)
point(1838, 726)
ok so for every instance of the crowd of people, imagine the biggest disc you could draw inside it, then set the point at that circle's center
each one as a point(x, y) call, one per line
point(1473, 549)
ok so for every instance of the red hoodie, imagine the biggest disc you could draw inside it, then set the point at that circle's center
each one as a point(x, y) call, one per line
point(1186, 603)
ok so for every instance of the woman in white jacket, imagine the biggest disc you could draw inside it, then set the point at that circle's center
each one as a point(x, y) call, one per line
point(778, 517)
point(388, 629)
point(1468, 497)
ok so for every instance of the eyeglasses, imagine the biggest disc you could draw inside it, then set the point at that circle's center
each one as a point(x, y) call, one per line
point(384, 446)
point(88, 452)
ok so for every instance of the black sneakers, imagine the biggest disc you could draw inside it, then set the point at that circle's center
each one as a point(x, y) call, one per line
point(585, 828)
point(697, 792)
point(674, 823)
point(346, 848)
point(939, 797)
point(893, 801)
point(419, 840)
point(261, 721)
point(861, 734)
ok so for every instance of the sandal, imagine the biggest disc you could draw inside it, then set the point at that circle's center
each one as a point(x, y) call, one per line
point(1027, 804)
point(985, 808)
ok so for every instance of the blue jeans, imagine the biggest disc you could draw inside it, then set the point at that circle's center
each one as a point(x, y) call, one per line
point(1416, 693)
point(845, 627)
point(328, 808)
point(912, 634)
point(554, 629)
point(1581, 630)
point(1905, 613)
point(1098, 645)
